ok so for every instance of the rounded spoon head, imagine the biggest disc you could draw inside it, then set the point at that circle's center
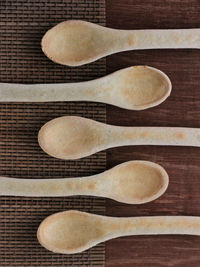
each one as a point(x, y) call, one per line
point(137, 88)
point(134, 182)
point(76, 42)
point(70, 137)
point(71, 231)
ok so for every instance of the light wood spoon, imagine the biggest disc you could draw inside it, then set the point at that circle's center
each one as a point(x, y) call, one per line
point(133, 182)
point(72, 137)
point(73, 231)
point(135, 88)
point(76, 42)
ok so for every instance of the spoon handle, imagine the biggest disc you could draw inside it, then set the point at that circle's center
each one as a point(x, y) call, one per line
point(162, 225)
point(48, 187)
point(155, 39)
point(172, 136)
point(82, 91)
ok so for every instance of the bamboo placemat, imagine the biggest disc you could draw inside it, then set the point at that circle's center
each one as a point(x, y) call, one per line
point(22, 24)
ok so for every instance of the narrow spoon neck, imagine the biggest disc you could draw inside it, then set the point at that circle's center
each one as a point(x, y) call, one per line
point(81, 91)
point(189, 225)
point(175, 136)
point(48, 187)
point(155, 39)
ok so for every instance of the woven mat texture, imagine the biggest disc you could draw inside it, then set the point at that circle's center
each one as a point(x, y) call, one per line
point(22, 25)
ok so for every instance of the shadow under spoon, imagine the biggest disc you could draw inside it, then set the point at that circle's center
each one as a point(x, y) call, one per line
point(135, 88)
point(132, 182)
point(76, 42)
point(73, 231)
point(72, 137)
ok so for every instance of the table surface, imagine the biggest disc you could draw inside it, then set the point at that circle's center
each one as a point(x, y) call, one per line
point(182, 108)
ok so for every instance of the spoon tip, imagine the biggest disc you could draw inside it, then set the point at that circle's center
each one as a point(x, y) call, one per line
point(162, 185)
point(62, 43)
point(161, 91)
point(69, 137)
point(138, 182)
point(68, 232)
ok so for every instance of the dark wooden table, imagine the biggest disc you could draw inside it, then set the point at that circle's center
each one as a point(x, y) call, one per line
point(182, 108)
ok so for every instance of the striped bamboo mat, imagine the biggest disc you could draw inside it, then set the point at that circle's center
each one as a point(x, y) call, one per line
point(22, 25)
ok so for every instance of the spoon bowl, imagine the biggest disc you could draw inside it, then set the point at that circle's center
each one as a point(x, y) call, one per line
point(135, 182)
point(76, 42)
point(137, 88)
point(72, 137)
point(72, 231)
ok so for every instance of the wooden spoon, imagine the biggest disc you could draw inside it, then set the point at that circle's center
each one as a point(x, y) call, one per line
point(133, 182)
point(76, 42)
point(73, 231)
point(136, 88)
point(72, 137)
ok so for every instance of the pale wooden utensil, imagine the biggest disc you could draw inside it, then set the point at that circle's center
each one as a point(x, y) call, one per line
point(74, 231)
point(133, 182)
point(72, 137)
point(76, 42)
point(136, 88)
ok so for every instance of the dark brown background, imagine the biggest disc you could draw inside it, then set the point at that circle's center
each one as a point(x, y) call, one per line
point(182, 108)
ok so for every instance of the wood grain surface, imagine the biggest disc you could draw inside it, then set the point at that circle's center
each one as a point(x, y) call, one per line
point(182, 108)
